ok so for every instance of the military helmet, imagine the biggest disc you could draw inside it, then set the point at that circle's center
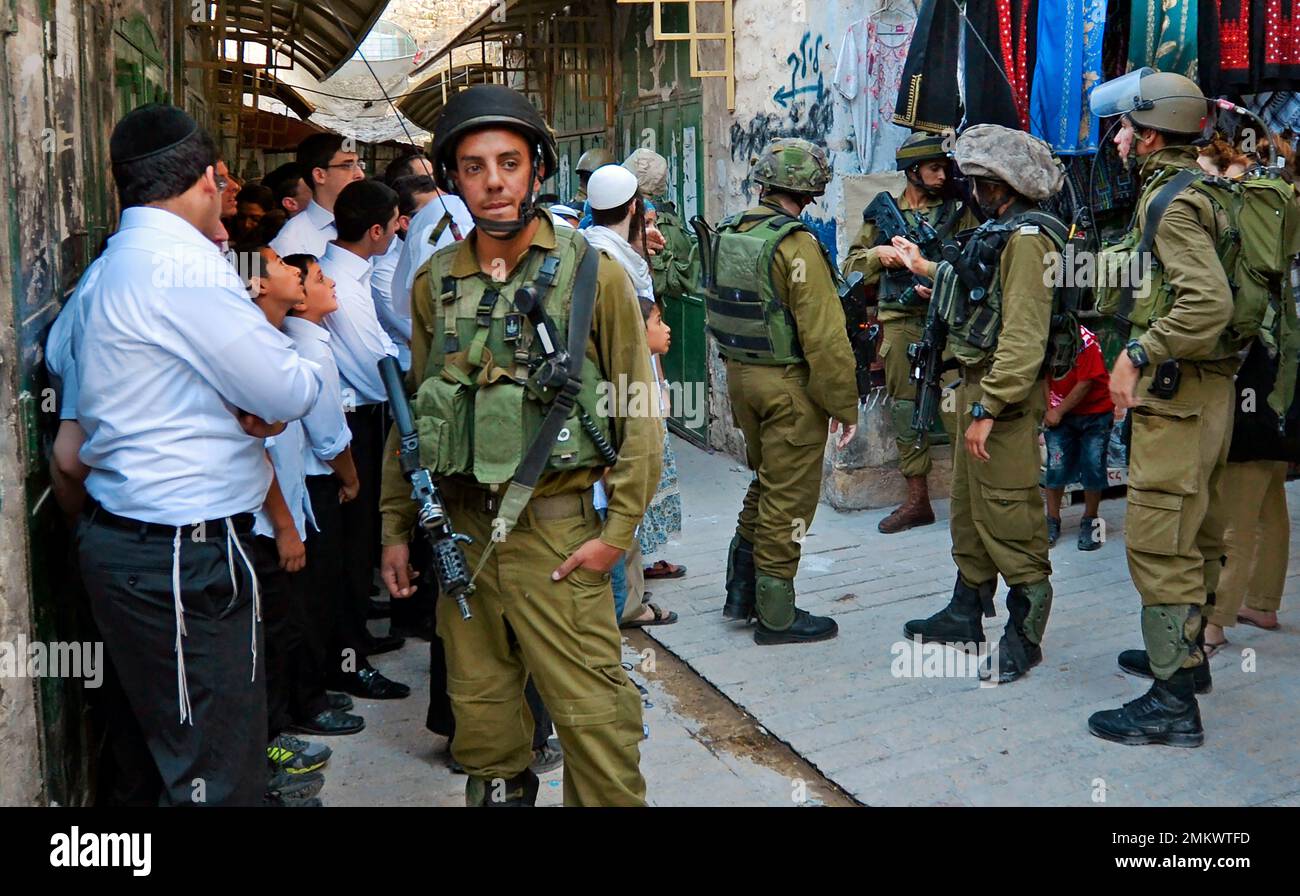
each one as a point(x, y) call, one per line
point(651, 170)
point(593, 158)
point(921, 147)
point(1021, 161)
point(793, 165)
point(1164, 101)
point(487, 105)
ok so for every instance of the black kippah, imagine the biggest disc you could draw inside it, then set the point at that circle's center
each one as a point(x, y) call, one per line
point(149, 130)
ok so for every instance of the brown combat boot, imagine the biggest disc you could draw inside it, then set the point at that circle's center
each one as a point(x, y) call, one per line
point(915, 511)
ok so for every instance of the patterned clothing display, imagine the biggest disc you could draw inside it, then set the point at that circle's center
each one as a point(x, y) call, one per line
point(1070, 38)
point(1250, 45)
point(1163, 35)
point(927, 92)
point(868, 70)
point(1280, 110)
point(1000, 47)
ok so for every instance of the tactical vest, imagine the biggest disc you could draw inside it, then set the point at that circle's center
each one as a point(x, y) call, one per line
point(743, 310)
point(896, 291)
point(476, 409)
point(973, 327)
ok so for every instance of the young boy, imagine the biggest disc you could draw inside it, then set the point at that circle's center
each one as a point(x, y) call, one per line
point(1077, 429)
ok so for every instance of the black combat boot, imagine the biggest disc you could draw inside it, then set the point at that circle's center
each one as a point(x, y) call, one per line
point(1136, 662)
point(959, 622)
point(781, 622)
point(1166, 714)
point(1017, 654)
point(521, 790)
point(740, 580)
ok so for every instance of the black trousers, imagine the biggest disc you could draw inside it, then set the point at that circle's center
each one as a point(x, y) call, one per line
point(330, 646)
point(216, 756)
point(360, 524)
point(291, 690)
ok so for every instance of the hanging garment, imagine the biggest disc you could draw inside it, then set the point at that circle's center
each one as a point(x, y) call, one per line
point(1000, 59)
point(850, 83)
point(1070, 36)
point(927, 93)
point(1249, 46)
point(1279, 109)
point(888, 40)
point(1162, 34)
point(1115, 48)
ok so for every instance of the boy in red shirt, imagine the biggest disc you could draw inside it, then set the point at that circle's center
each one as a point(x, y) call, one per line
point(1077, 429)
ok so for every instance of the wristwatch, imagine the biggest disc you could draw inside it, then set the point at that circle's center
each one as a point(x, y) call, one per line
point(1137, 354)
point(979, 412)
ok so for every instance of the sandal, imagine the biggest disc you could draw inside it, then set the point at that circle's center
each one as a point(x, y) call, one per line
point(1211, 649)
point(662, 569)
point(1244, 620)
point(658, 617)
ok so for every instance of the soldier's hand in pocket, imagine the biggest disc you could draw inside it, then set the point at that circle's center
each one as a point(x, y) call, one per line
point(594, 555)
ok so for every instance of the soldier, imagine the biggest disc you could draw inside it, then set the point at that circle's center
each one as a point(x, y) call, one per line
point(997, 517)
point(542, 603)
point(588, 162)
point(903, 302)
point(789, 369)
point(1173, 536)
point(672, 267)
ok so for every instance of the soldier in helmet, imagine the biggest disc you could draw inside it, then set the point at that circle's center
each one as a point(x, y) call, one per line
point(903, 303)
point(588, 162)
point(998, 332)
point(789, 373)
point(673, 266)
point(541, 556)
point(1173, 537)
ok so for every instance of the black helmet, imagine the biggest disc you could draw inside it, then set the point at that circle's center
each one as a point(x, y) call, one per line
point(485, 105)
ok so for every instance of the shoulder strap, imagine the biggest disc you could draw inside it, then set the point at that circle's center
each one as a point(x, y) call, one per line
point(1155, 211)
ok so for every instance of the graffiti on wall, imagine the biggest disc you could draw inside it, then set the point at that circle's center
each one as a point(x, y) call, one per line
point(805, 73)
point(806, 109)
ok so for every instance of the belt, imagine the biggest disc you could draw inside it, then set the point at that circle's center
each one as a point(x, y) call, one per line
point(95, 513)
point(551, 507)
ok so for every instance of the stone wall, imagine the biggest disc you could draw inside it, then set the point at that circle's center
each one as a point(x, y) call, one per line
point(433, 22)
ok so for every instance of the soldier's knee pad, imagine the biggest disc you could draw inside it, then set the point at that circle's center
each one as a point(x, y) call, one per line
point(900, 416)
point(775, 602)
point(1169, 632)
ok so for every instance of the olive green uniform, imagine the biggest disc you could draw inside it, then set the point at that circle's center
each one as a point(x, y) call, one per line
point(996, 515)
point(673, 269)
point(784, 410)
point(902, 325)
point(1173, 528)
point(563, 633)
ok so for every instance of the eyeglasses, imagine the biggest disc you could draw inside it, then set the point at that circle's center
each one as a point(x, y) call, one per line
point(358, 164)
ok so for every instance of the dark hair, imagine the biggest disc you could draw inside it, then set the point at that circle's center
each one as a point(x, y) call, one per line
point(361, 205)
point(548, 198)
point(648, 307)
point(406, 188)
point(316, 152)
point(258, 195)
point(608, 217)
point(302, 261)
point(401, 166)
point(283, 181)
point(166, 175)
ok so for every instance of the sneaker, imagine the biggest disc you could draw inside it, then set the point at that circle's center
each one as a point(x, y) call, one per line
point(293, 790)
point(1088, 540)
point(548, 758)
point(295, 756)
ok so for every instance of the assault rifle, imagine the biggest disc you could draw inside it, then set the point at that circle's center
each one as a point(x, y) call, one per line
point(883, 211)
point(862, 330)
point(927, 370)
point(448, 560)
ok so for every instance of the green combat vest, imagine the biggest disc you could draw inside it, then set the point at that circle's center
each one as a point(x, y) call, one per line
point(742, 308)
point(476, 409)
point(974, 326)
point(896, 291)
point(1259, 236)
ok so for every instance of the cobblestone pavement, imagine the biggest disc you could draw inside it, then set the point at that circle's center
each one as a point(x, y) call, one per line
point(895, 740)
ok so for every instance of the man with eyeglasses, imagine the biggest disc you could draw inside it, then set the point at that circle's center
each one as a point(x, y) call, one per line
point(328, 164)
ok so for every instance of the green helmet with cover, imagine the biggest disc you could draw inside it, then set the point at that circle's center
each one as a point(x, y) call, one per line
point(793, 166)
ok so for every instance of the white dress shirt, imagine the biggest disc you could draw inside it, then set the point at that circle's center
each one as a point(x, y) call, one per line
point(168, 347)
point(59, 357)
point(286, 452)
point(397, 327)
point(326, 432)
point(306, 233)
point(356, 337)
point(417, 249)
